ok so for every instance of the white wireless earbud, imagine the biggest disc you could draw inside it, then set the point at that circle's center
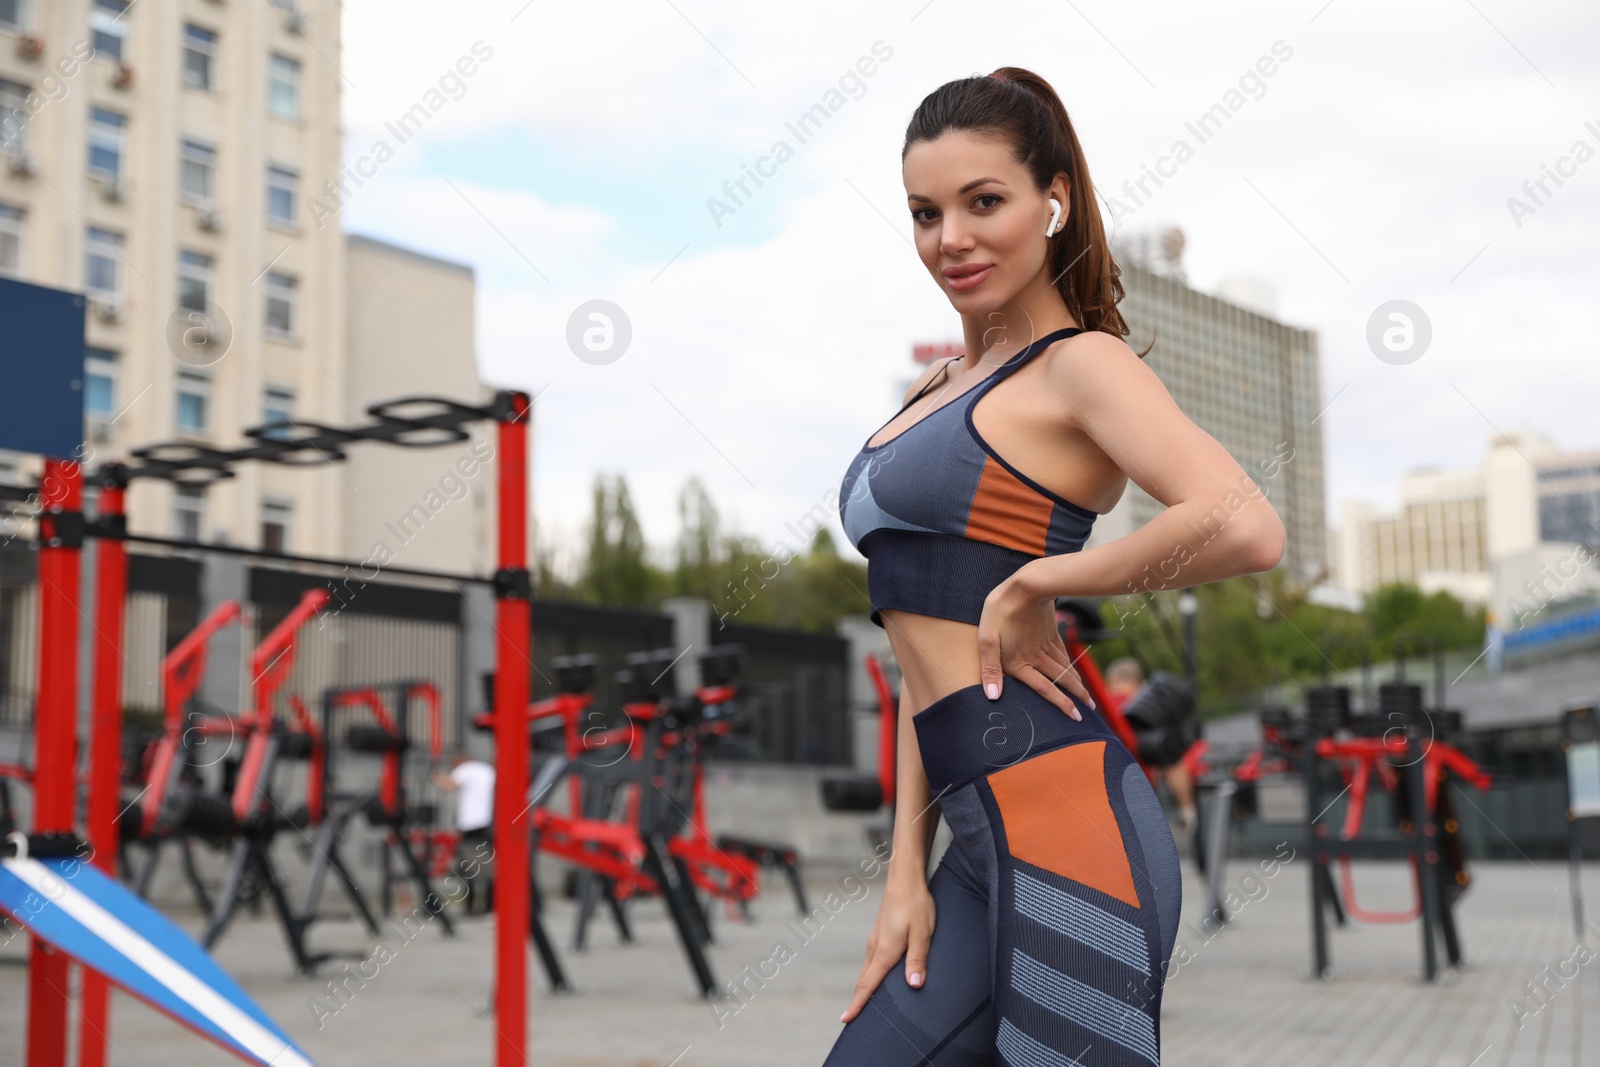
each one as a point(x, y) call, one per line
point(1055, 216)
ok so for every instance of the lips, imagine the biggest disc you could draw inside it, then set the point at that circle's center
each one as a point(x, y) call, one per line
point(968, 275)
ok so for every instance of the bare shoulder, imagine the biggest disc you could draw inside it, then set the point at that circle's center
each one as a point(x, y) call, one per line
point(1095, 361)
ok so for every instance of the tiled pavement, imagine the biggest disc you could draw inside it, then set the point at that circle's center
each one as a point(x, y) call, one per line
point(1240, 997)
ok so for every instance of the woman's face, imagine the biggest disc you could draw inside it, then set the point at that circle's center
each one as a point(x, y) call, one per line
point(974, 211)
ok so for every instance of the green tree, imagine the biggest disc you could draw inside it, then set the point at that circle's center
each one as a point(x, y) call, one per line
point(701, 553)
point(1397, 609)
point(616, 568)
point(1261, 630)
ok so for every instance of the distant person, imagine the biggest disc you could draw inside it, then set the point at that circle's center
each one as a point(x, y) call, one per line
point(473, 779)
point(1124, 680)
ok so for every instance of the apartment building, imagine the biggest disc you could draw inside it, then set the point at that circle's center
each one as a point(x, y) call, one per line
point(161, 157)
point(157, 158)
point(1437, 539)
point(1246, 378)
point(1519, 533)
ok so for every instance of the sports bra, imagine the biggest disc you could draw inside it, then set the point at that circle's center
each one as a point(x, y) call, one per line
point(942, 518)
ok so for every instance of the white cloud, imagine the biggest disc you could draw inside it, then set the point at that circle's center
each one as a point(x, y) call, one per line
point(1388, 143)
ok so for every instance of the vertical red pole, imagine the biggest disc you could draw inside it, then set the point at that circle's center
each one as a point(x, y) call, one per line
point(513, 654)
point(55, 732)
point(105, 752)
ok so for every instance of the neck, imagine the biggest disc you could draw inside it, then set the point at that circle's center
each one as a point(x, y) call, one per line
point(993, 337)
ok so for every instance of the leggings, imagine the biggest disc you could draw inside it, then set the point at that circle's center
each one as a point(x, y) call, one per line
point(1056, 902)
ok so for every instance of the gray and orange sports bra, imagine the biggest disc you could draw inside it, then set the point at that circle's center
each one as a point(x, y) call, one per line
point(942, 518)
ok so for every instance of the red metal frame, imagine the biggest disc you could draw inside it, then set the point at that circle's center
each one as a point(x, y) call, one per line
point(389, 779)
point(1360, 758)
point(888, 732)
point(270, 666)
point(391, 783)
point(182, 670)
point(513, 660)
point(105, 755)
point(316, 798)
point(55, 740)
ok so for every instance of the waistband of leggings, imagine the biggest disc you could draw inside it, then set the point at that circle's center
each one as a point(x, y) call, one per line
point(965, 735)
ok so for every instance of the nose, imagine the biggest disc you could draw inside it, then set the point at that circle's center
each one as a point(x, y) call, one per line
point(953, 238)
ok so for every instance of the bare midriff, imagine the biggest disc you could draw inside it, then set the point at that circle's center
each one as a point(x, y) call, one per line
point(936, 656)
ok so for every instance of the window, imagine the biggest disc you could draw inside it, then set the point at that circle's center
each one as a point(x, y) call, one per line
point(108, 29)
point(283, 87)
point(100, 383)
point(282, 304)
point(198, 178)
point(194, 281)
point(105, 143)
point(103, 260)
point(13, 118)
point(194, 401)
point(10, 241)
point(13, 14)
point(188, 511)
point(278, 406)
point(275, 516)
point(283, 186)
point(199, 51)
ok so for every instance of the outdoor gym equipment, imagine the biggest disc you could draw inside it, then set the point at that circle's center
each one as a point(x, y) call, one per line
point(388, 734)
point(156, 818)
point(174, 805)
point(1402, 748)
point(653, 763)
point(251, 819)
point(656, 746)
point(51, 428)
point(858, 792)
point(632, 854)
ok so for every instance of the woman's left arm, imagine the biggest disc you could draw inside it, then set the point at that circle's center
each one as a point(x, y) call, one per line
point(1217, 523)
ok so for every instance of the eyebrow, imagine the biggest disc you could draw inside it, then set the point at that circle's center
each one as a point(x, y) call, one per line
point(967, 188)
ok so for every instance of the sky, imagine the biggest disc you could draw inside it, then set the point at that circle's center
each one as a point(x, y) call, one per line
point(1395, 152)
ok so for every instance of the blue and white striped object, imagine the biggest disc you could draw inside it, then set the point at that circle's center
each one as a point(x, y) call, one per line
point(77, 909)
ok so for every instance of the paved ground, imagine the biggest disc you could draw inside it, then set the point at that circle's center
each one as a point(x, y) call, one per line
point(1240, 997)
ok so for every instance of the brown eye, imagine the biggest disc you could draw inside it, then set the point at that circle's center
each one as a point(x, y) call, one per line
point(988, 196)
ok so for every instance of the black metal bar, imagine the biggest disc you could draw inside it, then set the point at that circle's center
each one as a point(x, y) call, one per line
point(193, 875)
point(320, 561)
point(658, 863)
point(303, 443)
point(1426, 837)
point(541, 943)
point(1315, 843)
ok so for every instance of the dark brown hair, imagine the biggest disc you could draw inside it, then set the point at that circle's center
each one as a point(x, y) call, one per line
point(1020, 108)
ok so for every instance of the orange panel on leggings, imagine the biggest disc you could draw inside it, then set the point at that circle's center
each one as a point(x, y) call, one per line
point(1057, 816)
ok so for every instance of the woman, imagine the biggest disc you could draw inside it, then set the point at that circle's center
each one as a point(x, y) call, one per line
point(1057, 903)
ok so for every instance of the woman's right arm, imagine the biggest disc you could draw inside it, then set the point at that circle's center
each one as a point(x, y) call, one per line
point(906, 914)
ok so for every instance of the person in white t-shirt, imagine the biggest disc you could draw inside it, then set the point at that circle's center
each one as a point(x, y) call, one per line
point(473, 780)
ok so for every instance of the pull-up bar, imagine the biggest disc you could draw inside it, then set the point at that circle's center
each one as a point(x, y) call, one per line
point(413, 422)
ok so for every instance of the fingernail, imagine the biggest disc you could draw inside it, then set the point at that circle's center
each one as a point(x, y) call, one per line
point(916, 977)
point(841, 1016)
point(993, 690)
